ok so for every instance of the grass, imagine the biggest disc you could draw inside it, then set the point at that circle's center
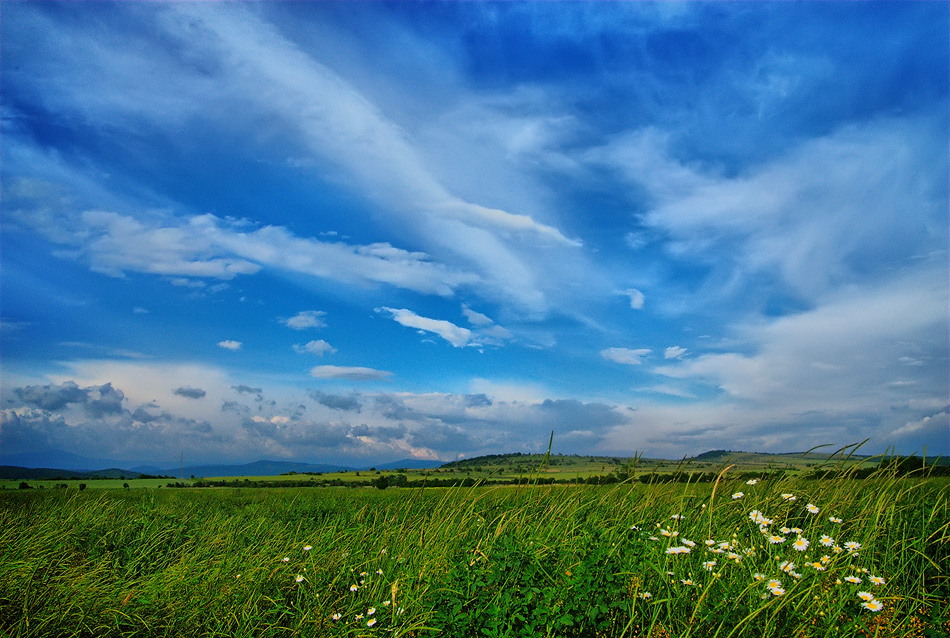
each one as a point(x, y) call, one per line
point(503, 561)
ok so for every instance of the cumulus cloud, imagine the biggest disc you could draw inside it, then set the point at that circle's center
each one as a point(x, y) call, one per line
point(625, 355)
point(246, 389)
point(457, 336)
point(350, 373)
point(318, 347)
point(306, 319)
point(190, 393)
point(229, 344)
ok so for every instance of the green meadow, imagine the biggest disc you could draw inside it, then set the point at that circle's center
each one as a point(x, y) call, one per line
point(784, 557)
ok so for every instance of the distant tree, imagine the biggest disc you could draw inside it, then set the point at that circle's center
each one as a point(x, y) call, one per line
point(82, 486)
point(125, 485)
point(382, 482)
point(25, 486)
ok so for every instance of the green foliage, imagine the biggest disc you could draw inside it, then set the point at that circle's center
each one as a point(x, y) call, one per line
point(533, 591)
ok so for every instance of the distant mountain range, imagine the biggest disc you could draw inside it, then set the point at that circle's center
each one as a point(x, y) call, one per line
point(59, 464)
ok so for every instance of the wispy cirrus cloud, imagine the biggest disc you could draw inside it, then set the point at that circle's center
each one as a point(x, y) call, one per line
point(330, 123)
point(205, 246)
point(821, 213)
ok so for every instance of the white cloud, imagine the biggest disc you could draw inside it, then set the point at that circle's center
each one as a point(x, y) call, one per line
point(488, 333)
point(457, 336)
point(350, 373)
point(229, 344)
point(625, 355)
point(207, 246)
point(476, 318)
point(637, 299)
point(319, 348)
point(306, 319)
point(674, 352)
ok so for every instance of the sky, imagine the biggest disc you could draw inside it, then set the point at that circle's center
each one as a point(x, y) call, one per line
point(365, 232)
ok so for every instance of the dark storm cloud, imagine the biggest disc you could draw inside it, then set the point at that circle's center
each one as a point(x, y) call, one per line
point(97, 400)
point(142, 415)
point(297, 434)
point(104, 400)
point(336, 401)
point(234, 406)
point(437, 436)
point(392, 407)
point(52, 397)
point(190, 393)
point(477, 401)
point(381, 433)
point(571, 414)
point(27, 432)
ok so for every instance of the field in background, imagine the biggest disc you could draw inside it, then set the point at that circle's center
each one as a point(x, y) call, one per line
point(502, 467)
point(630, 559)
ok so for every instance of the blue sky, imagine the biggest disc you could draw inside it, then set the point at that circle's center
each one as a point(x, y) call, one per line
point(361, 232)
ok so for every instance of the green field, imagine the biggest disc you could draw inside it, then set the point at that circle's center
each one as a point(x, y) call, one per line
point(499, 468)
point(630, 559)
